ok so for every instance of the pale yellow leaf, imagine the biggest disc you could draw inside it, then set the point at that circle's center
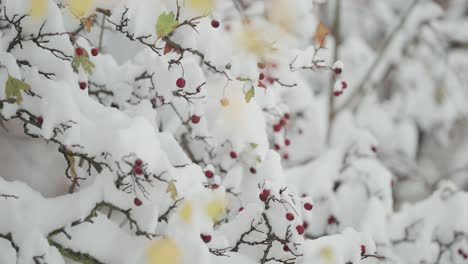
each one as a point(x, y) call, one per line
point(186, 212)
point(216, 207)
point(327, 254)
point(320, 34)
point(172, 190)
point(80, 8)
point(201, 5)
point(164, 251)
point(38, 8)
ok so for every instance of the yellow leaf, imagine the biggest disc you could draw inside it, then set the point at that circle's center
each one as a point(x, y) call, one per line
point(186, 212)
point(164, 251)
point(202, 5)
point(38, 8)
point(320, 34)
point(252, 41)
point(79, 8)
point(88, 22)
point(327, 254)
point(216, 207)
point(171, 188)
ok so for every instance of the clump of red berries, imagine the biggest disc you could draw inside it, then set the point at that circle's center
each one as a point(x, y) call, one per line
point(137, 169)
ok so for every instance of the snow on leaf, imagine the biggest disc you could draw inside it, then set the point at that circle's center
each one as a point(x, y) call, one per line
point(171, 188)
point(165, 24)
point(320, 34)
point(13, 89)
point(79, 8)
point(249, 94)
point(164, 251)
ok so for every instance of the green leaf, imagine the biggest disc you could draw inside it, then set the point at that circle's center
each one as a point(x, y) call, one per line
point(165, 24)
point(254, 145)
point(13, 89)
point(84, 62)
point(259, 159)
point(249, 94)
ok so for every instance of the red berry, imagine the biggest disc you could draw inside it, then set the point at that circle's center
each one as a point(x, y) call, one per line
point(138, 162)
point(337, 93)
point(374, 149)
point(215, 23)
point(331, 220)
point(253, 170)
point(262, 197)
point(286, 156)
point(289, 216)
point(266, 192)
point(261, 65)
point(337, 70)
point(214, 186)
point(287, 142)
point(308, 206)
point(285, 248)
point(138, 170)
point(79, 51)
point(209, 174)
point(300, 229)
point(363, 250)
point(261, 76)
point(233, 154)
point(40, 120)
point(94, 51)
point(83, 85)
point(206, 238)
point(287, 116)
point(282, 122)
point(277, 127)
point(180, 82)
point(241, 209)
point(137, 201)
point(303, 195)
point(344, 84)
point(305, 224)
point(276, 146)
point(195, 119)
